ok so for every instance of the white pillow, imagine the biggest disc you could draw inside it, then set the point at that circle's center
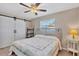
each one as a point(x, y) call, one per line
point(40, 35)
point(45, 36)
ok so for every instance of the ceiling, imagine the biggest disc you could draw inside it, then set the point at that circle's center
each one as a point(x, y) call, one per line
point(14, 9)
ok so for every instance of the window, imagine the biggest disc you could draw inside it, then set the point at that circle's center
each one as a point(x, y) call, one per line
point(46, 24)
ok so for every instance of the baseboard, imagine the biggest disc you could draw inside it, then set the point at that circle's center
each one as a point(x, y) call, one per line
point(7, 45)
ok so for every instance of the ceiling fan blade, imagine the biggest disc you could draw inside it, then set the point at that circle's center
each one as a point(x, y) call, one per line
point(42, 10)
point(24, 5)
point(36, 14)
point(26, 11)
point(37, 4)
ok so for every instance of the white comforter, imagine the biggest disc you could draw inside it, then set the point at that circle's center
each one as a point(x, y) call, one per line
point(39, 45)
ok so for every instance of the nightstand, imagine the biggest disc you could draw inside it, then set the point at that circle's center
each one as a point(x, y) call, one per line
point(72, 45)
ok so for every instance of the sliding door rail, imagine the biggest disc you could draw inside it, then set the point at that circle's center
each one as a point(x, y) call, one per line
point(14, 17)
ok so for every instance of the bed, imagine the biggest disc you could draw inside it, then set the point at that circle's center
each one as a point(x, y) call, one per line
point(40, 45)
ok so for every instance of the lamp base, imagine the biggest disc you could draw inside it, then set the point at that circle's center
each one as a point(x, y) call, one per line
point(73, 37)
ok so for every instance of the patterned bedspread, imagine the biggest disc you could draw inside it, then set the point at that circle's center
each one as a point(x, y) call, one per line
point(39, 45)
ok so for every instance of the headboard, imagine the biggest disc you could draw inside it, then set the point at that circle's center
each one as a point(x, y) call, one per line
point(51, 32)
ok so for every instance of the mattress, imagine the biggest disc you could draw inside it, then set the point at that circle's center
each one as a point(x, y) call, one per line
point(37, 46)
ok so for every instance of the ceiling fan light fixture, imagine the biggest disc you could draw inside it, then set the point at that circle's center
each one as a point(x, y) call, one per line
point(34, 9)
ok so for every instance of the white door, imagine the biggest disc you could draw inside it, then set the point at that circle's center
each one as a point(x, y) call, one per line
point(20, 27)
point(6, 31)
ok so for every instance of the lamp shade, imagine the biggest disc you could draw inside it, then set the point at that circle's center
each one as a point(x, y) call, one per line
point(73, 32)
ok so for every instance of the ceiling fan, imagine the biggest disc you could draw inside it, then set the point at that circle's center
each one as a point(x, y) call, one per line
point(33, 8)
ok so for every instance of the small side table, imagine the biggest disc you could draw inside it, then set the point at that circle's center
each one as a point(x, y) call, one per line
point(72, 45)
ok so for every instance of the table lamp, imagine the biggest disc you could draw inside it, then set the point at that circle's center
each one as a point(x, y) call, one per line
point(73, 33)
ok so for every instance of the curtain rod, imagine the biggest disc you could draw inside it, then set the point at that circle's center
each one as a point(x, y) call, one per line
point(13, 17)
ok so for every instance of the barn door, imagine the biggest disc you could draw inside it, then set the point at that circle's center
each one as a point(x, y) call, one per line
point(20, 27)
point(6, 31)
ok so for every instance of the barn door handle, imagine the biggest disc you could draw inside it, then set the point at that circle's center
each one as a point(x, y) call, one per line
point(14, 31)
